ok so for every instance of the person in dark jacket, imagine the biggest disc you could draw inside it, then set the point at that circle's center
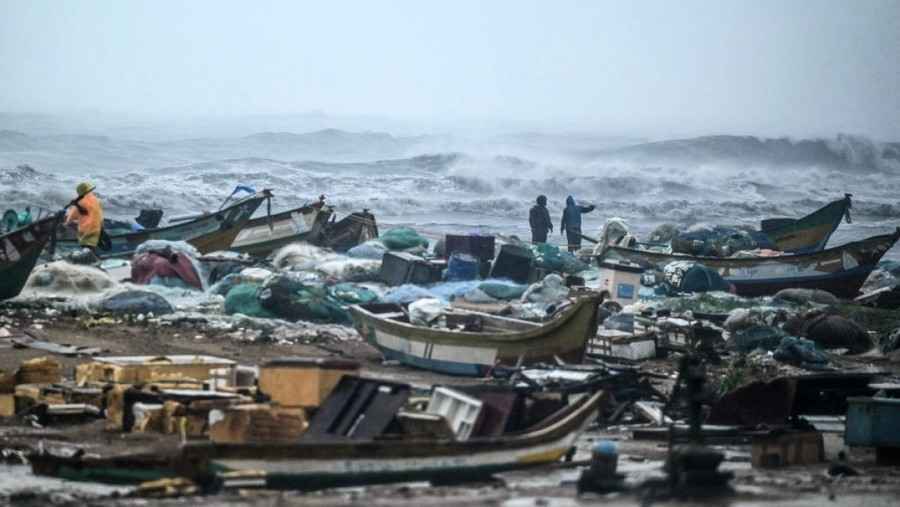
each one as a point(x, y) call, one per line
point(539, 218)
point(571, 222)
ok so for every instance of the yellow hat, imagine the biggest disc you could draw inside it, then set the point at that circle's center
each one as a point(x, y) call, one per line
point(83, 188)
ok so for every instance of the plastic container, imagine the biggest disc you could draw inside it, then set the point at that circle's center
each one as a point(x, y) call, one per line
point(460, 410)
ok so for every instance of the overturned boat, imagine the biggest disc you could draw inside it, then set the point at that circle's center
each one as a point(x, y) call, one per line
point(208, 232)
point(840, 270)
point(311, 223)
point(484, 342)
point(19, 252)
point(327, 464)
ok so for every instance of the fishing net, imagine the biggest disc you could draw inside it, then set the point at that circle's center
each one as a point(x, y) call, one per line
point(502, 290)
point(552, 258)
point(372, 249)
point(402, 238)
point(352, 294)
point(291, 299)
point(64, 278)
point(244, 299)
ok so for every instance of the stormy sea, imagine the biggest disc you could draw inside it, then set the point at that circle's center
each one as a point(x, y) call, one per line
point(456, 182)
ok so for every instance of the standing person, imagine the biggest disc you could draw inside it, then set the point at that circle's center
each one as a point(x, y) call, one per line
point(539, 218)
point(571, 222)
point(87, 213)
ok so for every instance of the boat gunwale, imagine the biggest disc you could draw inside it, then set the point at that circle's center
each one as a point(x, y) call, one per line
point(845, 203)
point(715, 262)
point(150, 232)
point(575, 415)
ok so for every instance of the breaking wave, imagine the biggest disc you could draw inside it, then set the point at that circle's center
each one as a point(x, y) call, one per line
point(717, 179)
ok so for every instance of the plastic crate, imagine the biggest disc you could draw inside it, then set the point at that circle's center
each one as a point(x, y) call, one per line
point(460, 410)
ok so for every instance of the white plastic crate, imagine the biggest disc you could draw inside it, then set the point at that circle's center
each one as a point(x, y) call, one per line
point(460, 410)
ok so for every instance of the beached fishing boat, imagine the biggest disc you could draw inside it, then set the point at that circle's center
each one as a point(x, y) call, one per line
point(807, 234)
point(311, 223)
point(810, 233)
point(263, 235)
point(318, 465)
point(19, 251)
point(498, 341)
point(208, 232)
point(840, 270)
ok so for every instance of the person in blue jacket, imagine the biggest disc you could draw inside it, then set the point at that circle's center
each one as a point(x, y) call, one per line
point(571, 222)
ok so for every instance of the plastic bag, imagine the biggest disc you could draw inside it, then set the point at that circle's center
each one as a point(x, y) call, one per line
point(426, 312)
point(548, 291)
point(372, 249)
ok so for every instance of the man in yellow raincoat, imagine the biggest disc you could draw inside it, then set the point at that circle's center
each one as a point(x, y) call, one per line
point(87, 212)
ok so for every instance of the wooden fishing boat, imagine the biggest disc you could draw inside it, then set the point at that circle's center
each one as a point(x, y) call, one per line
point(354, 229)
point(262, 236)
point(807, 234)
point(326, 464)
point(19, 252)
point(500, 340)
point(810, 233)
point(840, 270)
point(209, 232)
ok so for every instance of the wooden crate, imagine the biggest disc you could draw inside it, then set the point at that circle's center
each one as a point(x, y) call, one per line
point(787, 449)
point(303, 382)
point(143, 369)
point(7, 405)
point(257, 423)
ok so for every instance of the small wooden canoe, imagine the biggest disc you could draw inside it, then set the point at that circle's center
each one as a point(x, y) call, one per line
point(501, 341)
point(19, 252)
point(840, 270)
point(209, 232)
point(318, 465)
point(810, 233)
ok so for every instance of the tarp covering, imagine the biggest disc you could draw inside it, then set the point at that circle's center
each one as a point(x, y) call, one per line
point(164, 264)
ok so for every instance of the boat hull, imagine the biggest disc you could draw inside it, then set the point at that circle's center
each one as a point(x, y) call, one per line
point(208, 233)
point(310, 466)
point(19, 252)
point(262, 236)
point(475, 354)
point(841, 270)
point(812, 232)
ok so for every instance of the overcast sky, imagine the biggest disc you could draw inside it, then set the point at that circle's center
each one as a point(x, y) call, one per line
point(805, 67)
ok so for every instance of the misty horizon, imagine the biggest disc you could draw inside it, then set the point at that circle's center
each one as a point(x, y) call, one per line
point(654, 71)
